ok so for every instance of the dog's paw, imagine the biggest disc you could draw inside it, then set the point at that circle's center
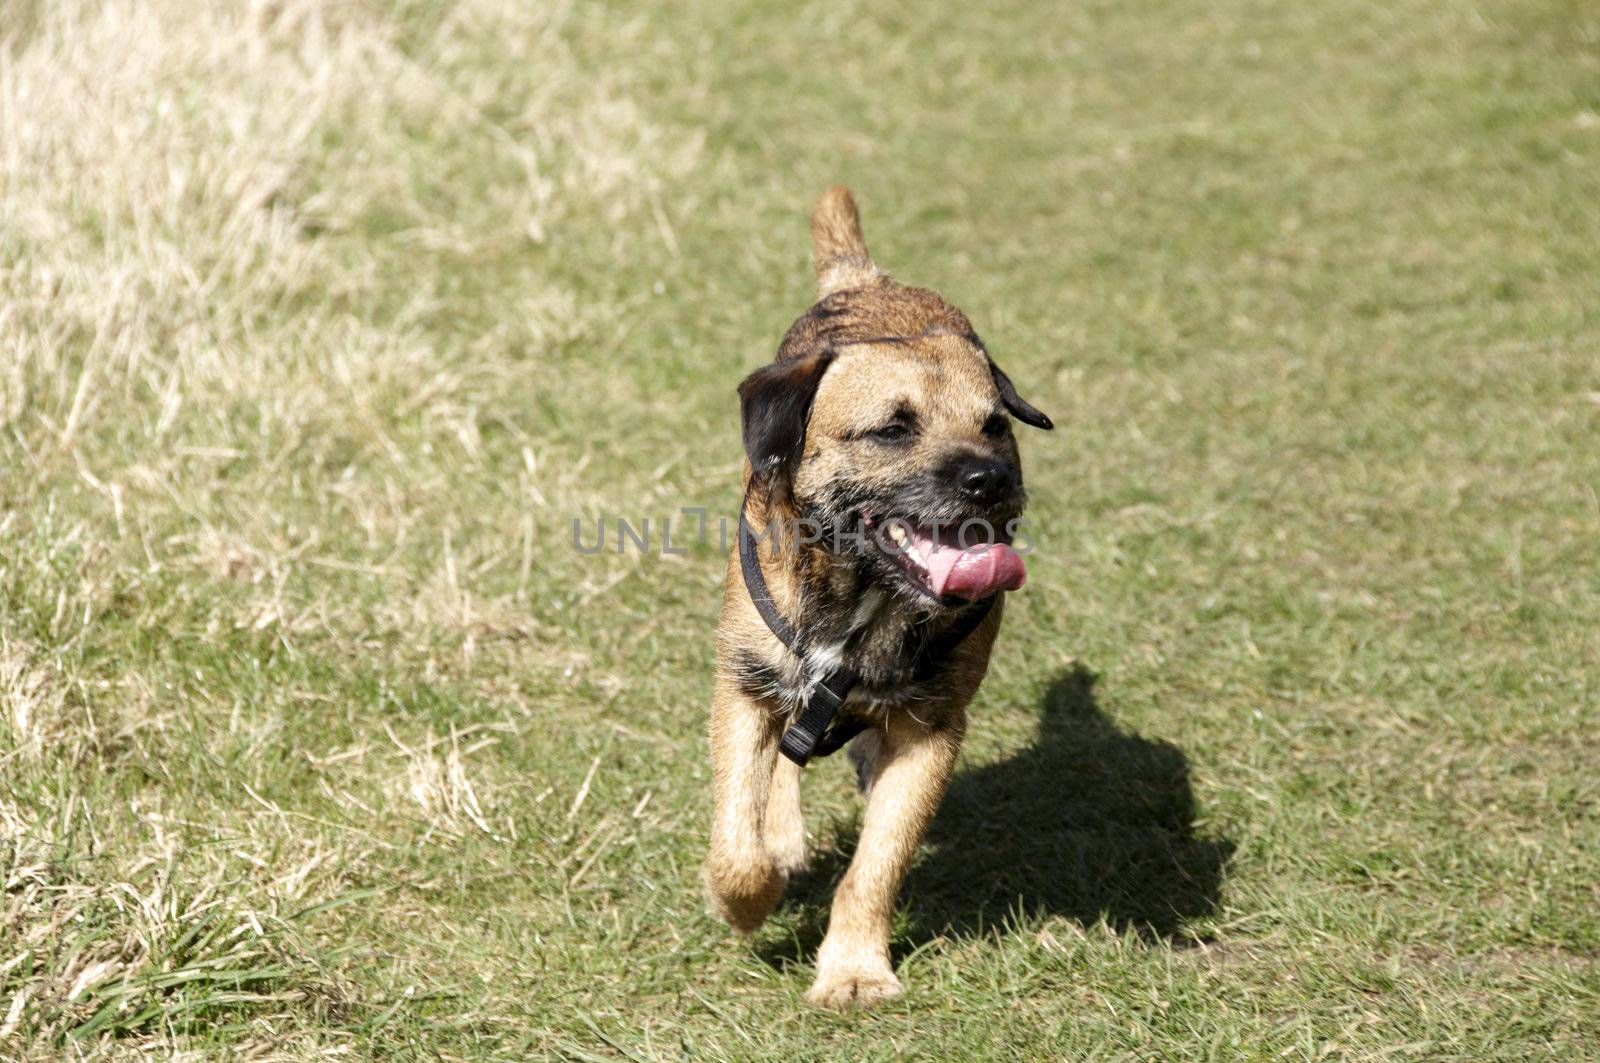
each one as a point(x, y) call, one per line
point(790, 856)
point(841, 990)
point(743, 896)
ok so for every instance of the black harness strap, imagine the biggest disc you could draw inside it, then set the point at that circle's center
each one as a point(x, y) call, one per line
point(756, 584)
point(818, 730)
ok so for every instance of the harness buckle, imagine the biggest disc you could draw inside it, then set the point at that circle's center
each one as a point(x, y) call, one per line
point(802, 738)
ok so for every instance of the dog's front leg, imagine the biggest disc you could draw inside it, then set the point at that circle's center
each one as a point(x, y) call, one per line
point(913, 764)
point(741, 878)
point(786, 825)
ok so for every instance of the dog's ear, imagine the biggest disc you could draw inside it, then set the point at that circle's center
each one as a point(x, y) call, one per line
point(774, 406)
point(1015, 404)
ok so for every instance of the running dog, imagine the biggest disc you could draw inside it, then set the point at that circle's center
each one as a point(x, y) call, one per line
point(882, 493)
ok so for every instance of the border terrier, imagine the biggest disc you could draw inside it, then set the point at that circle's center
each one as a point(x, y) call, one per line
point(884, 481)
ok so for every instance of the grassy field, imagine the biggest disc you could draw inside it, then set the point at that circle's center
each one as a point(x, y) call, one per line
point(321, 321)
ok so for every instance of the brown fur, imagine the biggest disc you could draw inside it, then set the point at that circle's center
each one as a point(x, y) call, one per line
point(868, 348)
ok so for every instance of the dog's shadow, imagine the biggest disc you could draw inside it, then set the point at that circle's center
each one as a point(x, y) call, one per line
point(1089, 822)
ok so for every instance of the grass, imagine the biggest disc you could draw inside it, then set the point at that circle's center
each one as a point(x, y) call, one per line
point(321, 321)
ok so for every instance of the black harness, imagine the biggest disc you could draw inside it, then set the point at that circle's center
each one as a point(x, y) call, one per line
point(818, 730)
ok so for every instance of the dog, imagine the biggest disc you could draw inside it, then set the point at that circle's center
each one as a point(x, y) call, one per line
point(884, 475)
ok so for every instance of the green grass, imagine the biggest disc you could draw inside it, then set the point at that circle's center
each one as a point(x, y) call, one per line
point(320, 325)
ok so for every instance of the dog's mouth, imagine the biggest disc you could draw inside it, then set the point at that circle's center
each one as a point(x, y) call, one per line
point(961, 561)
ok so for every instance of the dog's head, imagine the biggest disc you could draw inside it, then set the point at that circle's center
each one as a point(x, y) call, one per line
point(887, 425)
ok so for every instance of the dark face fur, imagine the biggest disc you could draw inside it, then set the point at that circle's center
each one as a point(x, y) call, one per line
point(869, 430)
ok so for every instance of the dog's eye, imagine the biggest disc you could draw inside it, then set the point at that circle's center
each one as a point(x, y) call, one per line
point(894, 432)
point(996, 426)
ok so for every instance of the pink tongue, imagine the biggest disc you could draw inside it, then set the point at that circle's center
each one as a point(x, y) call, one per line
point(972, 572)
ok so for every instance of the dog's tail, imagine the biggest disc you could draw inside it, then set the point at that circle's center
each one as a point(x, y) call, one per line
point(838, 253)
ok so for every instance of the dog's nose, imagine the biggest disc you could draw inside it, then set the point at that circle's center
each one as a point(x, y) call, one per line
point(986, 480)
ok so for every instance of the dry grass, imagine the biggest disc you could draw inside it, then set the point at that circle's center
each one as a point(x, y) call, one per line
point(215, 403)
point(35, 707)
point(141, 947)
point(187, 306)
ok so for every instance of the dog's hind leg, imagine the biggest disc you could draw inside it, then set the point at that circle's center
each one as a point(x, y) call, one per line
point(864, 751)
point(912, 767)
point(786, 826)
point(742, 879)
